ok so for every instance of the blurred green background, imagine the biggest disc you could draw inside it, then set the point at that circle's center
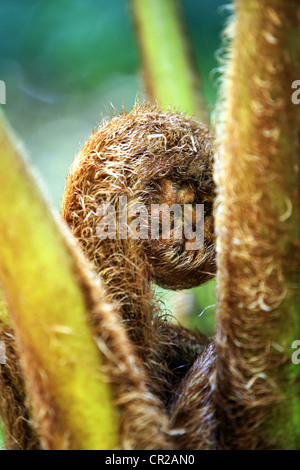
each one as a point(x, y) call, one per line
point(68, 63)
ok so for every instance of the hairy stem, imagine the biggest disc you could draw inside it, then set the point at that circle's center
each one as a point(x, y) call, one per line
point(49, 314)
point(257, 227)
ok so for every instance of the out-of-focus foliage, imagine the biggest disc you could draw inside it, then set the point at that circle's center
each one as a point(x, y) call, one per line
point(67, 62)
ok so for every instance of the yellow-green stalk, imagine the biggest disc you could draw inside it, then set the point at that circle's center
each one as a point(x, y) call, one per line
point(72, 402)
point(4, 317)
point(168, 70)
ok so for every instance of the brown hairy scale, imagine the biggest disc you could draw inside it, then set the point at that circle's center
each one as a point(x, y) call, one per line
point(143, 423)
point(155, 367)
point(151, 157)
point(19, 430)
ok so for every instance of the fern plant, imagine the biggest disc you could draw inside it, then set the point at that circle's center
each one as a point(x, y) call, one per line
point(77, 348)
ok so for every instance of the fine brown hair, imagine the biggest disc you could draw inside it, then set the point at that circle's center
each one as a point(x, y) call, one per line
point(149, 156)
